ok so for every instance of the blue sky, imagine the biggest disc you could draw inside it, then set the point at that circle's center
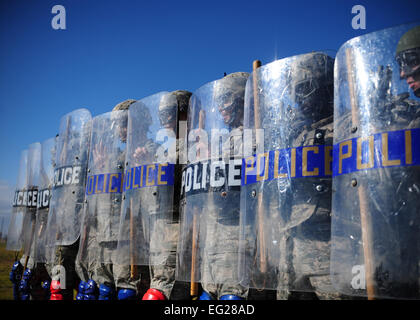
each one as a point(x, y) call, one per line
point(114, 50)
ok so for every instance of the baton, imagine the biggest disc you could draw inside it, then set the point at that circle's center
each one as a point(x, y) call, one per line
point(364, 219)
point(27, 251)
point(66, 139)
point(63, 156)
point(194, 284)
point(260, 213)
point(133, 266)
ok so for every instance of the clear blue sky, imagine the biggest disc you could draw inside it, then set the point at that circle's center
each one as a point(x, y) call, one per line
point(114, 50)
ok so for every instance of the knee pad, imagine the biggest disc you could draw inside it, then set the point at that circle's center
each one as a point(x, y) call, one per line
point(205, 296)
point(153, 294)
point(126, 294)
point(230, 297)
point(106, 292)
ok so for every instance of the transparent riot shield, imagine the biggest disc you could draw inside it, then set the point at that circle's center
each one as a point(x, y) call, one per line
point(147, 208)
point(14, 234)
point(210, 190)
point(46, 176)
point(104, 187)
point(286, 180)
point(375, 226)
point(28, 231)
point(68, 189)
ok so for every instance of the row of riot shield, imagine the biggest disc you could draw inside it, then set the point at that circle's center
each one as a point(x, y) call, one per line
point(300, 177)
point(375, 228)
point(210, 188)
point(92, 184)
point(323, 198)
point(146, 227)
point(22, 225)
point(34, 226)
point(129, 192)
point(103, 192)
point(31, 201)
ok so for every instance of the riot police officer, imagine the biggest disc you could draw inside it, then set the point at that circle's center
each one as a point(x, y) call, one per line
point(172, 111)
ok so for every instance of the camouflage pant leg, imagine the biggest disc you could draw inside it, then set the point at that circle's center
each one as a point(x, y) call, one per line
point(103, 274)
point(86, 261)
point(285, 272)
point(103, 268)
point(218, 290)
point(304, 268)
point(162, 277)
point(220, 261)
point(324, 289)
point(81, 271)
point(292, 283)
point(163, 247)
point(123, 280)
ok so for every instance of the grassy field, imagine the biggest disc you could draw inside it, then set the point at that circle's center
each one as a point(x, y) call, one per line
point(6, 261)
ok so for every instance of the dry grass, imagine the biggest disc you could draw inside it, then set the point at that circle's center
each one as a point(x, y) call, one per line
point(6, 261)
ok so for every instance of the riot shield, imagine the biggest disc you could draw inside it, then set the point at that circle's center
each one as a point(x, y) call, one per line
point(46, 175)
point(147, 208)
point(28, 231)
point(210, 189)
point(14, 234)
point(286, 180)
point(375, 226)
point(104, 186)
point(64, 221)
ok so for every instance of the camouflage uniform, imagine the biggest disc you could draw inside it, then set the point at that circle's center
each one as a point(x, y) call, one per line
point(103, 237)
point(306, 247)
point(220, 258)
point(163, 255)
point(376, 221)
point(304, 208)
point(389, 114)
point(74, 151)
